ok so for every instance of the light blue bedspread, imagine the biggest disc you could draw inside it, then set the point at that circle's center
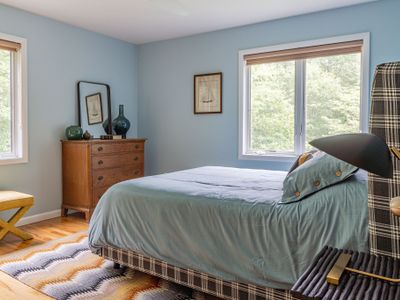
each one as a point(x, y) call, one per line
point(227, 222)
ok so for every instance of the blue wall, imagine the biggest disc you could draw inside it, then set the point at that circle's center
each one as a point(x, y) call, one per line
point(58, 56)
point(179, 139)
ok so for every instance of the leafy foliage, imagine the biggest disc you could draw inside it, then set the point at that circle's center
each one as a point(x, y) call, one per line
point(332, 101)
point(5, 92)
point(333, 95)
point(272, 106)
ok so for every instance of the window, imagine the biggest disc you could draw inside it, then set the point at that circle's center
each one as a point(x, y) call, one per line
point(13, 125)
point(292, 94)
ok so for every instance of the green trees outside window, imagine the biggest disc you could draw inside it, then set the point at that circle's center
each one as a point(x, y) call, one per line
point(331, 96)
point(5, 101)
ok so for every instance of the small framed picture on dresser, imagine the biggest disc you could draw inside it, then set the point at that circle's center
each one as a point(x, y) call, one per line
point(208, 93)
point(94, 109)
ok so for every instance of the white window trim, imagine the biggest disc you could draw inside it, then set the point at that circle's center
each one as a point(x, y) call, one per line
point(244, 93)
point(20, 104)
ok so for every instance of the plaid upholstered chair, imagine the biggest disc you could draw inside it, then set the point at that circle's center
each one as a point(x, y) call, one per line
point(384, 227)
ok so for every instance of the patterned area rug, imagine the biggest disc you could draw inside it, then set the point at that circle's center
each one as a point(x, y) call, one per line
point(66, 269)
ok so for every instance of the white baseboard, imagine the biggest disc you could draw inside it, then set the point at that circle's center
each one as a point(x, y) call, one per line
point(39, 217)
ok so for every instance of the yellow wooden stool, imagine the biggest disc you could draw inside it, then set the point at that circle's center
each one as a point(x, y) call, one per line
point(10, 200)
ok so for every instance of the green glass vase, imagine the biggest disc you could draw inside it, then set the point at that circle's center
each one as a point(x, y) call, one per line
point(74, 132)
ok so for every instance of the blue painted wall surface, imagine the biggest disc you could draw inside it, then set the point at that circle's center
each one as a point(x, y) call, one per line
point(58, 56)
point(177, 138)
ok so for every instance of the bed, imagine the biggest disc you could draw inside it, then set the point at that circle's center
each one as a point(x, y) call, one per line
point(224, 230)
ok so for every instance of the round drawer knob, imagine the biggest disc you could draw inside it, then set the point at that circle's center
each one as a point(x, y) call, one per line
point(136, 172)
point(100, 162)
point(100, 177)
point(137, 146)
point(100, 148)
point(136, 158)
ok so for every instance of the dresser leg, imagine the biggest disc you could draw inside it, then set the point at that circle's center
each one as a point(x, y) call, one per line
point(64, 212)
point(88, 215)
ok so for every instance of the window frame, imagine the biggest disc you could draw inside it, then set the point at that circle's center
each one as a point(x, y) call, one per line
point(244, 94)
point(19, 104)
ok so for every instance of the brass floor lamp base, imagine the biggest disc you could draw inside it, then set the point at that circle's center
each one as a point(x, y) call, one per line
point(337, 270)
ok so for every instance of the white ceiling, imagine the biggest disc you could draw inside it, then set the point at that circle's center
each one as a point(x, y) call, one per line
point(142, 21)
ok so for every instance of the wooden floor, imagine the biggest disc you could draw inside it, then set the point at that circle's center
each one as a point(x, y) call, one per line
point(44, 231)
point(12, 289)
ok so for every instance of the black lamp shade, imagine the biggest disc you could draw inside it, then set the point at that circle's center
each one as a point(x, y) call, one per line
point(364, 150)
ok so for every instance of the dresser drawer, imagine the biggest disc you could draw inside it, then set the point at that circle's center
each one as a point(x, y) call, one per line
point(118, 160)
point(108, 177)
point(103, 148)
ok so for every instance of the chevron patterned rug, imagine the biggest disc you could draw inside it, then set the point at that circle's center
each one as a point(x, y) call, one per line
point(66, 269)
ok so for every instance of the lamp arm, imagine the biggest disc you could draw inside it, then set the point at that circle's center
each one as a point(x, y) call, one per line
point(395, 151)
point(395, 202)
point(340, 266)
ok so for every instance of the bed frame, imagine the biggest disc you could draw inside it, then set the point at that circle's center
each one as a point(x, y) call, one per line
point(198, 281)
point(384, 228)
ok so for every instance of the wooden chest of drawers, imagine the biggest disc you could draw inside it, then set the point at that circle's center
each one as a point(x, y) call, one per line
point(89, 168)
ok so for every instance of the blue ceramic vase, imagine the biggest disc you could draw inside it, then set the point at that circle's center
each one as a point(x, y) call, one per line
point(121, 124)
point(74, 132)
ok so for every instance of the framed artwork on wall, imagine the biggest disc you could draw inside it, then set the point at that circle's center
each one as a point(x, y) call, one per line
point(208, 93)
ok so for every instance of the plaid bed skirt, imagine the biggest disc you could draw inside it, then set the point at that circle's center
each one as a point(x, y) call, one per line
point(384, 227)
point(198, 281)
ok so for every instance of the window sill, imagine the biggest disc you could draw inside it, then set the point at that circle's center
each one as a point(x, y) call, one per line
point(269, 157)
point(13, 161)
